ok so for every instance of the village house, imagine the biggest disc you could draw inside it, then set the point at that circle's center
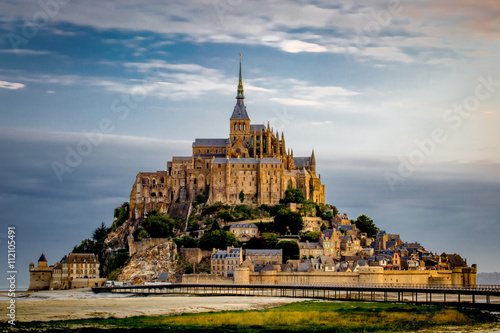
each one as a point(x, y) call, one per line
point(259, 258)
point(310, 249)
point(244, 231)
point(223, 262)
point(330, 241)
point(349, 245)
point(76, 270)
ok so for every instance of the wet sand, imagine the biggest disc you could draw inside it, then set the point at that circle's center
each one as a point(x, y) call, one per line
point(64, 305)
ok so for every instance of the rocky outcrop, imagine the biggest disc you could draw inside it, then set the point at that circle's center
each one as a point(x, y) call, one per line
point(148, 264)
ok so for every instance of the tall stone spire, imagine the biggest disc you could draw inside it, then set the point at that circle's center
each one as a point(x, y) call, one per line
point(240, 111)
point(240, 95)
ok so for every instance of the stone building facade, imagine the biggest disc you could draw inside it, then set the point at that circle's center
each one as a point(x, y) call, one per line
point(224, 262)
point(244, 231)
point(253, 161)
point(77, 270)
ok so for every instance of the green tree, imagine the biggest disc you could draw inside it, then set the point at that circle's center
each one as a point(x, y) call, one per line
point(186, 242)
point(215, 226)
point(287, 221)
point(118, 260)
point(242, 196)
point(271, 240)
point(294, 195)
point(256, 242)
point(218, 239)
point(290, 250)
point(159, 225)
point(311, 236)
point(121, 215)
point(142, 234)
point(225, 215)
point(365, 224)
point(323, 227)
point(264, 227)
point(86, 246)
point(199, 199)
point(326, 212)
point(308, 207)
point(100, 233)
point(334, 209)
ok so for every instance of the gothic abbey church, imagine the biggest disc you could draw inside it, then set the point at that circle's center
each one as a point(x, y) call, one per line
point(253, 161)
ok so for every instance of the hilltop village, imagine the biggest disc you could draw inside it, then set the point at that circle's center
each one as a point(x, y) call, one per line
point(242, 209)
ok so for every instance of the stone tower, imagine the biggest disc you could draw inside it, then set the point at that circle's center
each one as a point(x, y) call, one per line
point(239, 131)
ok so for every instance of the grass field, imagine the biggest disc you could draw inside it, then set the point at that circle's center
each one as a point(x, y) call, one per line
point(309, 316)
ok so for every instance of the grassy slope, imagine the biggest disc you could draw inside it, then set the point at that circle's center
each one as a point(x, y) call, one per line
point(309, 316)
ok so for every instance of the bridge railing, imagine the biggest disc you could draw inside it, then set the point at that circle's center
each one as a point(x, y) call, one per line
point(380, 286)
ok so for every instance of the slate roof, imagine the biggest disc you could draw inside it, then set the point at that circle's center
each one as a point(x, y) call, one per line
point(88, 258)
point(345, 227)
point(310, 245)
point(260, 252)
point(455, 260)
point(210, 142)
point(163, 277)
point(223, 254)
point(268, 268)
point(219, 160)
point(240, 110)
point(302, 162)
point(181, 159)
point(42, 258)
point(257, 128)
point(243, 225)
point(328, 233)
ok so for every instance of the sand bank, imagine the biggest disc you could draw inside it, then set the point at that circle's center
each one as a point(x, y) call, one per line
point(64, 305)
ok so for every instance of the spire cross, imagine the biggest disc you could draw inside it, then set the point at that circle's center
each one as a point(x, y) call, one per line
point(240, 85)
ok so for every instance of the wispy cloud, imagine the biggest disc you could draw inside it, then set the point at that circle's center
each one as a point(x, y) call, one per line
point(11, 85)
point(25, 52)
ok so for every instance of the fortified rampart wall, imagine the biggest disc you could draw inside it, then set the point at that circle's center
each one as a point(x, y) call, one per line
point(369, 275)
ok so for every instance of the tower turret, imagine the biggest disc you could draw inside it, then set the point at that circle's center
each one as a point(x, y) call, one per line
point(313, 163)
point(239, 121)
point(42, 261)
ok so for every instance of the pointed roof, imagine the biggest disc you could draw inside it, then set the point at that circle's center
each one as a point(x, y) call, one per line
point(239, 94)
point(42, 258)
point(240, 110)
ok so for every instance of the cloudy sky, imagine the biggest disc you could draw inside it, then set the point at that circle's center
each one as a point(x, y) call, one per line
point(399, 99)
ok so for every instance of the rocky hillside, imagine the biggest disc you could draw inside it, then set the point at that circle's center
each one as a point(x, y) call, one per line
point(147, 265)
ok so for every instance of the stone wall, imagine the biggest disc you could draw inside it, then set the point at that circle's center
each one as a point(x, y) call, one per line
point(40, 278)
point(206, 278)
point(146, 243)
point(375, 275)
point(88, 283)
point(366, 275)
point(192, 255)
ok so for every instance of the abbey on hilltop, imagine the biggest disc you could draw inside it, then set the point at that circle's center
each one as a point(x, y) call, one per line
point(251, 166)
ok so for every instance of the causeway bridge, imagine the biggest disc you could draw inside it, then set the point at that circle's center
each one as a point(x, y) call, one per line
point(482, 296)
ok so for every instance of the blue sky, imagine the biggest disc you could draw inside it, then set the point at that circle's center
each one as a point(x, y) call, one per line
point(399, 99)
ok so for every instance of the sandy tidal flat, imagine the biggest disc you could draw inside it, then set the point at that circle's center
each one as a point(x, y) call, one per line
point(64, 306)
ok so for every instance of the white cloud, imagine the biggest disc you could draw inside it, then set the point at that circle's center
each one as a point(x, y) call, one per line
point(291, 26)
point(294, 101)
point(295, 46)
point(25, 52)
point(11, 85)
point(327, 122)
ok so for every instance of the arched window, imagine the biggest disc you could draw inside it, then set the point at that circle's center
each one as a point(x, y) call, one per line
point(239, 126)
point(153, 194)
point(235, 126)
point(160, 194)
